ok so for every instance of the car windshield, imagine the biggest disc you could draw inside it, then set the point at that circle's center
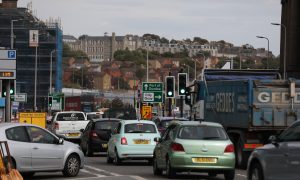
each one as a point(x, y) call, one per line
point(140, 128)
point(70, 117)
point(106, 125)
point(202, 133)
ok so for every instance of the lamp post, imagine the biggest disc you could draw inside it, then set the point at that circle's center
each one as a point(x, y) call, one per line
point(284, 58)
point(202, 73)
point(262, 37)
point(50, 78)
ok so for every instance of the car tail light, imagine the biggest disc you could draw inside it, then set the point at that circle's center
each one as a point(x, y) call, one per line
point(123, 141)
point(93, 134)
point(229, 149)
point(177, 147)
point(56, 126)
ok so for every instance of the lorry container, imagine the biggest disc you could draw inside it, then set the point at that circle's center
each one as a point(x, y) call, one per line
point(251, 105)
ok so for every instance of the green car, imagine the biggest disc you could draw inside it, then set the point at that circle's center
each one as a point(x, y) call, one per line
point(194, 146)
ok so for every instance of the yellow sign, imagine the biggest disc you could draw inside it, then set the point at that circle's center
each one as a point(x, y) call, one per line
point(34, 118)
point(146, 112)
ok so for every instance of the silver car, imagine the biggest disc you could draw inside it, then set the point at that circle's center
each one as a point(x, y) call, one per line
point(278, 160)
point(34, 149)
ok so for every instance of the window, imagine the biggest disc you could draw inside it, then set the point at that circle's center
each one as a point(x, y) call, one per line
point(291, 134)
point(140, 128)
point(169, 133)
point(202, 133)
point(106, 125)
point(17, 134)
point(38, 135)
point(70, 117)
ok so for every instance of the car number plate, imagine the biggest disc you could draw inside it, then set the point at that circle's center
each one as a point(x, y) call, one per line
point(73, 134)
point(141, 141)
point(204, 160)
point(104, 146)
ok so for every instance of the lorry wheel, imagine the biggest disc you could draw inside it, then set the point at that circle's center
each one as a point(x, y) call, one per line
point(241, 156)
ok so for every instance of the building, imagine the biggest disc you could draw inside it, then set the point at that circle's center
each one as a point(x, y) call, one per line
point(20, 21)
point(102, 48)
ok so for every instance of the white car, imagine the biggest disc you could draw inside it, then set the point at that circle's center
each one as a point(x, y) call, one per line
point(67, 124)
point(34, 149)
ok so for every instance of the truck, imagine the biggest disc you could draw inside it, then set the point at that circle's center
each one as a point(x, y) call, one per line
point(251, 105)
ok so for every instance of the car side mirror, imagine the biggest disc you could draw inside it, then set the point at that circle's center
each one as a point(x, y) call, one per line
point(273, 139)
point(60, 141)
point(157, 139)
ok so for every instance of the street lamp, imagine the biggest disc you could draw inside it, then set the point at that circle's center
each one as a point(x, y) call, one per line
point(50, 78)
point(12, 32)
point(202, 73)
point(262, 37)
point(284, 58)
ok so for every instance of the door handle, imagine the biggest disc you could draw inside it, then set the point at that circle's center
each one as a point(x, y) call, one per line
point(35, 148)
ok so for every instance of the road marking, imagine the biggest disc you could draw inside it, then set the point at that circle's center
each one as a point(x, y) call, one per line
point(242, 175)
point(89, 172)
point(138, 177)
point(102, 170)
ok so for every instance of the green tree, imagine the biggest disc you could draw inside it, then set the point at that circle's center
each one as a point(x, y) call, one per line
point(117, 103)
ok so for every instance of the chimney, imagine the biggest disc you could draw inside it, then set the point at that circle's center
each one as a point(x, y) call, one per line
point(8, 4)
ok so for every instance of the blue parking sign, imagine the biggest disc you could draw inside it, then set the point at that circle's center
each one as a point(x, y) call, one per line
point(11, 54)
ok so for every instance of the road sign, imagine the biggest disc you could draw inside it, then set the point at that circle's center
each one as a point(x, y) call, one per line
point(58, 101)
point(146, 112)
point(33, 118)
point(8, 64)
point(152, 92)
point(21, 97)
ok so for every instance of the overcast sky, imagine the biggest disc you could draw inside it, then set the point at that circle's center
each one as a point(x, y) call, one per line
point(235, 21)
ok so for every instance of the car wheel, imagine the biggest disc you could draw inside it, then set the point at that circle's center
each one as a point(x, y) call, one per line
point(117, 159)
point(27, 175)
point(169, 170)
point(72, 166)
point(256, 172)
point(156, 171)
point(241, 156)
point(89, 152)
point(229, 175)
point(109, 159)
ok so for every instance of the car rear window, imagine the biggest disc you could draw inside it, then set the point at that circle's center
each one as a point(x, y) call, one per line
point(202, 133)
point(106, 125)
point(140, 128)
point(93, 116)
point(70, 117)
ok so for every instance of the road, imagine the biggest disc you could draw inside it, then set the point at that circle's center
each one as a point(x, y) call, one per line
point(96, 168)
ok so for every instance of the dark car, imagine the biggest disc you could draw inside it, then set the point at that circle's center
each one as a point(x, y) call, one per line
point(96, 135)
point(280, 159)
point(162, 123)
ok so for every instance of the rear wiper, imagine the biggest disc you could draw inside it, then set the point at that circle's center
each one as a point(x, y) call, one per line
point(212, 137)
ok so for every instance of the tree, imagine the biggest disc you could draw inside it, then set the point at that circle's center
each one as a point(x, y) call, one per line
point(164, 40)
point(200, 40)
point(117, 103)
point(140, 73)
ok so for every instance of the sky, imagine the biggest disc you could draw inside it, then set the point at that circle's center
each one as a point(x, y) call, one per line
point(235, 21)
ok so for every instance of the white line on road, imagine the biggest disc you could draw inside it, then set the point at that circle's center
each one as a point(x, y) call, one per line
point(138, 178)
point(89, 172)
point(102, 170)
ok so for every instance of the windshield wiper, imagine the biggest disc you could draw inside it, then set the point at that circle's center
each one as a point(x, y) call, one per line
point(212, 137)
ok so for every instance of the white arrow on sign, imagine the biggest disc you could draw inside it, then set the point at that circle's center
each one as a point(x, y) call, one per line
point(158, 97)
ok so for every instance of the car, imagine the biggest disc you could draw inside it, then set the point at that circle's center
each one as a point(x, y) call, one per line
point(132, 139)
point(95, 136)
point(35, 149)
point(163, 122)
point(279, 159)
point(194, 146)
point(94, 115)
point(67, 124)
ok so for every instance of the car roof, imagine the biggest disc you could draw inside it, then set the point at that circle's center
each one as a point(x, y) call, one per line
point(70, 112)
point(168, 118)
point(137, 121)
point(195, 123)
point(106, 119)
point(9, 125)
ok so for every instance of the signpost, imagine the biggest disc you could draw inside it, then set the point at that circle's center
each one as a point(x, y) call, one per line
point(58, 101)
point(146, 112)
point(152, 92)
point(21, 97)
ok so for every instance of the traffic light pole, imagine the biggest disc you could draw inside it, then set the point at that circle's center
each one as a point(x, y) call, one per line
point(7, 101)
point(170, 107)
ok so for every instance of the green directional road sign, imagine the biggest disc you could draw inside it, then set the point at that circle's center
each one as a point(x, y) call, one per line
point(152, 92)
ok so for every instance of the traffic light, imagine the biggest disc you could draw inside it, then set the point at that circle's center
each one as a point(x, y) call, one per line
point(11, 91)
point(170, 87)
point(188, 96)
point(50, 98)
point(182, 77)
